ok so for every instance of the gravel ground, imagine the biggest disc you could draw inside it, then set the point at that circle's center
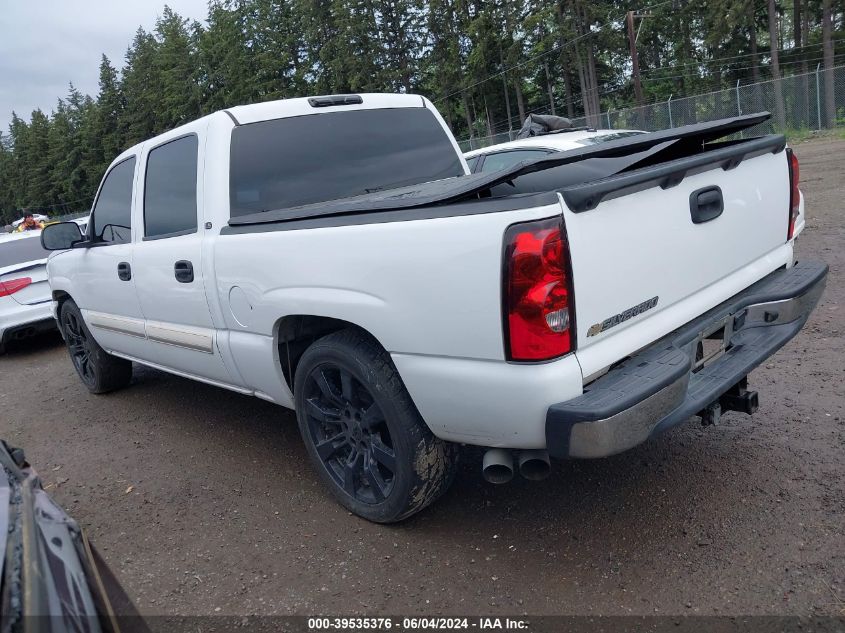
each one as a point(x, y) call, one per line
point(203, 502)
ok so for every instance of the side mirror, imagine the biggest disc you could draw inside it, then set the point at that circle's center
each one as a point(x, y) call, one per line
point(61, 236)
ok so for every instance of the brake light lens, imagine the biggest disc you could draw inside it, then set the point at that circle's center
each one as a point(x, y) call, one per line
point(538, 302)
point(11, 286)
point(794, 192)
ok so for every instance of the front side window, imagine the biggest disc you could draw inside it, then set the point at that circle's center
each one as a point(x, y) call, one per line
point(284, 163)
point(170, 188)
point(503, 160)
point(112, 213)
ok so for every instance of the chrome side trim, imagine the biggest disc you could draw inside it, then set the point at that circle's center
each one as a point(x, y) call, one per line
point(112, 323)
point(627, 428)
point(195, 338)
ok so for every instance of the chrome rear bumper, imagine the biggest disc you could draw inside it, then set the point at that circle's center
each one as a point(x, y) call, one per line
point(666, 383)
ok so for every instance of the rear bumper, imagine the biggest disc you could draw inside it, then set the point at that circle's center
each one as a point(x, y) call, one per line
point(16, 320)
point(656, 388)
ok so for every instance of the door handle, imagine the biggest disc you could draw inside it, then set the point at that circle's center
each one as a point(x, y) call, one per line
point(706, 204)
point(184, 271)
point(124, 271)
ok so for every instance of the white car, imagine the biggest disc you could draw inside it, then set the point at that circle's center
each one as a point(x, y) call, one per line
point(25, 299)
point(334, 255)
point(504, 155)
point(36, 216)
point(83, 223)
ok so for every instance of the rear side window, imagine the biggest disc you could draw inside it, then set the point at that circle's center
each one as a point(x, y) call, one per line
point(113, 209)
point(302, 160)
point(472, 163)
point(21, 250)
point(503, 160)
point(170, 189)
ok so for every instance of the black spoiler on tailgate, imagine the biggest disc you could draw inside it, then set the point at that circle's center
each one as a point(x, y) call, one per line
point(462, 187)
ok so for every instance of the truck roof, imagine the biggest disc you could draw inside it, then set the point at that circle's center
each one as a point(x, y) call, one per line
point(284, 108)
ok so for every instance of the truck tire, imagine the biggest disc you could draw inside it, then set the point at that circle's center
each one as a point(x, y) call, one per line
point(363, 433)
point(99, 371)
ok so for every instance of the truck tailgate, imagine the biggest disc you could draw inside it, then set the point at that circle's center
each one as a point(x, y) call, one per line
point(639, 249)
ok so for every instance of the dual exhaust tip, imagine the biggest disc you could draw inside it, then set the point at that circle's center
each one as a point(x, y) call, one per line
point(498, 465)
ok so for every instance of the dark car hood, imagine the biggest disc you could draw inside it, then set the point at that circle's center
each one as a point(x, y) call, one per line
point(51, 575)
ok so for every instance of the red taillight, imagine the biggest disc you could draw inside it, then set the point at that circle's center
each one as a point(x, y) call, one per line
point(11, 286)
point(794, 192)
point(538, 303)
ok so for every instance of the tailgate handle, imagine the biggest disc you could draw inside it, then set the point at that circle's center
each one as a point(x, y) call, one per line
point(706, 204)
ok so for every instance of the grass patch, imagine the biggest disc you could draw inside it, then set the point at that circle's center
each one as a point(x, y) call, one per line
point(795, 135)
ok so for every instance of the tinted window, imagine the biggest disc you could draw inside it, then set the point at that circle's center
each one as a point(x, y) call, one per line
point(503, 160)
point(113, 209)
point(302, 160)
point(472, 162)
point(170, 189)
point(20, 250)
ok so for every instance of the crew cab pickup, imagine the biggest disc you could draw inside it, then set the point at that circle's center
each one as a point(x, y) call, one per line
point(335, 255)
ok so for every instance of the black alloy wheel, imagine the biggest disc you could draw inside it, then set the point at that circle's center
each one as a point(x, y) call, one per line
point(350, 434)
point(366, 439)
point(100, 371)
point(79, 345)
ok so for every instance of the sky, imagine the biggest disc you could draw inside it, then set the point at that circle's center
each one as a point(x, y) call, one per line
point(45, 44)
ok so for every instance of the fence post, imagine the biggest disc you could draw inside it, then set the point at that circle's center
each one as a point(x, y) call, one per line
point(669, 107)
point(608, 118)
point(738, 106)
point(818, 99)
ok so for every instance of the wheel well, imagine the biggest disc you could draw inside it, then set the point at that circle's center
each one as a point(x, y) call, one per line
point(296, 333)
point(60, 296)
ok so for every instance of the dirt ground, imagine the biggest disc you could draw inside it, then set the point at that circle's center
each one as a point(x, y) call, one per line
point(203, 502)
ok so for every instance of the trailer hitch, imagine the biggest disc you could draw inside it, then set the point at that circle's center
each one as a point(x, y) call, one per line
point(737, 398)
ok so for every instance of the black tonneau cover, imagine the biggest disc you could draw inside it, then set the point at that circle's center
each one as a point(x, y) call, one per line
point(463, 187)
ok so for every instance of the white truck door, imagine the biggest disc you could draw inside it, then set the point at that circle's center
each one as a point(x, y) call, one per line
point(168, 273)
point(104, 288)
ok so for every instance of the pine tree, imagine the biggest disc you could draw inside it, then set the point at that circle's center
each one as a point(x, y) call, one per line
point(141, 85)
point(275, 28)
point(176, 69)
point(227, 68)
point(484, 63)
point(109, 111)
point(36, 163)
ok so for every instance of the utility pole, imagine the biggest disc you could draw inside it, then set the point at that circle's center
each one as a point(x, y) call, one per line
point(632, 41)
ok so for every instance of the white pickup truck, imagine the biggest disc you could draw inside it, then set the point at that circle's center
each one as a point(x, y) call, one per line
point(334, 255)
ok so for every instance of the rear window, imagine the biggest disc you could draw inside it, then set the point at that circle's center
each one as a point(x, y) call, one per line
point(302, 160)
point(18, 251)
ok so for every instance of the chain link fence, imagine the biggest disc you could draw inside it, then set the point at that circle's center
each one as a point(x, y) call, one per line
point(798, 102)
